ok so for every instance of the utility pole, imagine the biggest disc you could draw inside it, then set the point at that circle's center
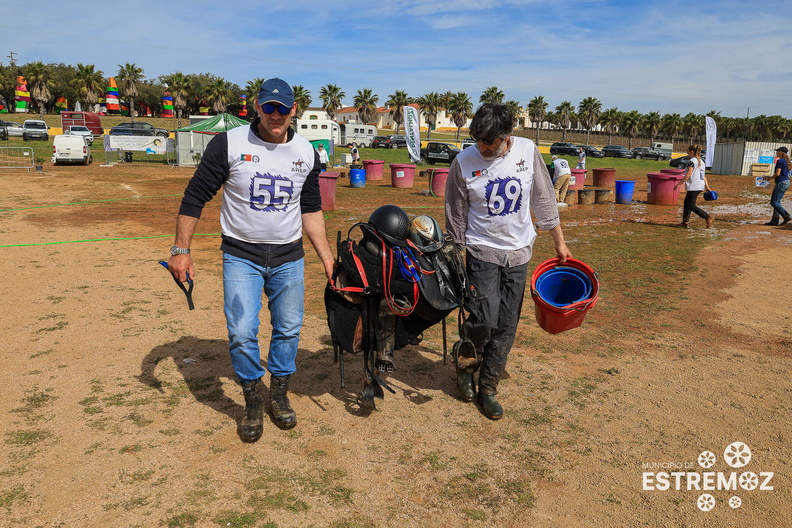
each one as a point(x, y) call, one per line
point(11, 57)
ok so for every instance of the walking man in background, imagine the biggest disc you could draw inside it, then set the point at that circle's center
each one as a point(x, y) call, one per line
point(581, 158)
point(490, 193)
point(270, 181)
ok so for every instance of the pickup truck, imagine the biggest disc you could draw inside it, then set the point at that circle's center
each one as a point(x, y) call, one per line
point(439, 152)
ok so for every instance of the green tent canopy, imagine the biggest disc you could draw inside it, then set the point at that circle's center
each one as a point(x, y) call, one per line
point(191, 140)
point(214, 124)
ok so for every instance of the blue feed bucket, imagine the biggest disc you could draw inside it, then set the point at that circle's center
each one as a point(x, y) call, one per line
point(562, 286)
point(624, 191)
point(710, 196)
point(357, 177)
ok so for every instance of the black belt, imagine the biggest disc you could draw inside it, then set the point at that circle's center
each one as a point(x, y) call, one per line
point(187, 291)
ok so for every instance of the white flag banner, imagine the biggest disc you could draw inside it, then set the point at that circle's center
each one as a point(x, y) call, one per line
point(412, 132)
point(712, 131)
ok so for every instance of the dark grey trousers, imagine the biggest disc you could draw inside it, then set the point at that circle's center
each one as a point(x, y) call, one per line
point(492, 322)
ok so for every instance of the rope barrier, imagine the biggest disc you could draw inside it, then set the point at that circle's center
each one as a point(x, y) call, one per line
point(99, 240)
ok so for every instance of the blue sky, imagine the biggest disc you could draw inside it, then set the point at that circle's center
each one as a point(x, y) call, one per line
point(669, 56)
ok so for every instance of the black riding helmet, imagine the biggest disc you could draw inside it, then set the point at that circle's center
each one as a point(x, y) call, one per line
point(392, 223)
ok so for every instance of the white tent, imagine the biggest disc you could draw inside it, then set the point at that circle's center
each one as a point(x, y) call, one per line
point(191, 140)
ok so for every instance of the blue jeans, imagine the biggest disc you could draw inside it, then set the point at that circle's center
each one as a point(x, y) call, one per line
point(775, 200)
point(243, 283)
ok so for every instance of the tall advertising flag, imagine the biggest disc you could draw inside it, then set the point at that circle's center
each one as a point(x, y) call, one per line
point(412, 132)
point(712, 131)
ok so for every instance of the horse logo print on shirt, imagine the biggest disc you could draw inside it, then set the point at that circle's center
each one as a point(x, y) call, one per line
point(269, 192)
point(504, 196)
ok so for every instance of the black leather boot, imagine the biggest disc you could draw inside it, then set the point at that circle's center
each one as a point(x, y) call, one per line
point(282, 413)
point(489, 405)
point(252, 424)
point(465, 384)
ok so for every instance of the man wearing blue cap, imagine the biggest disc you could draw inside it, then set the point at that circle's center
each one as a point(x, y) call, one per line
point(270, 181)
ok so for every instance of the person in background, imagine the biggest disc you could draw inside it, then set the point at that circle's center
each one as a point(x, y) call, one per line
point(270, 181)
point(581, 158)
point(490, 193)
point(354, 151)
point(695, 181)
point(781, 178)
point(323, 158)
point(561, 176)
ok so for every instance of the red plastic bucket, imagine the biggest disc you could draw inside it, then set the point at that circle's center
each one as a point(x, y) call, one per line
point(373, 169)
point(327, 189)
point(437, 181)
point(577, 179)
point(557, 319)
point(402, 175)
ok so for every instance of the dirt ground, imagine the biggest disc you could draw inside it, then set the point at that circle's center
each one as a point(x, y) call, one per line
point(119, 406)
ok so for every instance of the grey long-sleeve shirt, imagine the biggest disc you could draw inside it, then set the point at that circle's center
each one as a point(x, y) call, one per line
point(542, 203)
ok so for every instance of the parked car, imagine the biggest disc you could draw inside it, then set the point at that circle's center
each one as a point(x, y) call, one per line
point(468, 142)
point(35, 129)
point(393, 141)
point(592, 152)
point(79, 130)
point(564, 149)
point(439, 152)
point(14, 129)
point(648, 153)
point(138, 128)
point(616, 151)
point(3, 131)
point(70, 149)
point(682, 161)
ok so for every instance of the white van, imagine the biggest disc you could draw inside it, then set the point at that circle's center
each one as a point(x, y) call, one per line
point(70, 149)
point(314, 129)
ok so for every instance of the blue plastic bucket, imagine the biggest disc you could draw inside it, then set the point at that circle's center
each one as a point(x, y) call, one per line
point(357, 177)
point(710, 196)
point(562, 286)
point(624, 191)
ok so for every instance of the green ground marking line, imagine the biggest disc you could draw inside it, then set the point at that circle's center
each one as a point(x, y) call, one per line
point(99, 240)
point(90, 202)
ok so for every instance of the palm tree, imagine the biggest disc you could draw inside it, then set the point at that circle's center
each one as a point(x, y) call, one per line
point(128, 75)
point(651, 125)
point(430, 104)
point(589, 111)
point(461, 108)
point(691, 124)
point(331, 96)
point(447, 98)
point(516, 111)
point(396, 103)
point(631, 123)
point(366, 104)
point(89, 82)
point(251, 91)
point(565, 114)
point(39, 80)
point(537, 110)
point(303, 99)
point(672, 123)
point(178, 84)
point(218, 94)
point(610, 119)
point(491, 95)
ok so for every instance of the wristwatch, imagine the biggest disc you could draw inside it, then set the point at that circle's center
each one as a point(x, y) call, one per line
point(176, 250)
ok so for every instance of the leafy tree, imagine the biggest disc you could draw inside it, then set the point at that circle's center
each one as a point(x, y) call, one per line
point(610, 119)
point(303, 99)
point(461, 108)
point(537, 110)
point(90, 82)
point(516, 111)
point(565, 115)
point(491, 95)
point(129, 75)
point(631, 124)
point(218, 94)
point(430, 104)
point(691, 124)
point(366, 104)
point(331, 96)
point(672, 124)
point(651, 124)
point(396, 103)
point(589, 112)
point(39, 79)
point(178, 84)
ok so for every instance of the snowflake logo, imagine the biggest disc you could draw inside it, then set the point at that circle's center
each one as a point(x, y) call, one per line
point(706, 502)
point(737, 454)
point(706, 459)
point(749, 480)
point(735, 502)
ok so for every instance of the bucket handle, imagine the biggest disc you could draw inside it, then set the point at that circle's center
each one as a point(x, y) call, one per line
point(578, 309)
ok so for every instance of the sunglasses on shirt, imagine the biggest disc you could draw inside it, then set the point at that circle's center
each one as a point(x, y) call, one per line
point(269, 108)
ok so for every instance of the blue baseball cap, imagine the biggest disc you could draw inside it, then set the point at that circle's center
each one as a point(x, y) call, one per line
point(276, 91)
